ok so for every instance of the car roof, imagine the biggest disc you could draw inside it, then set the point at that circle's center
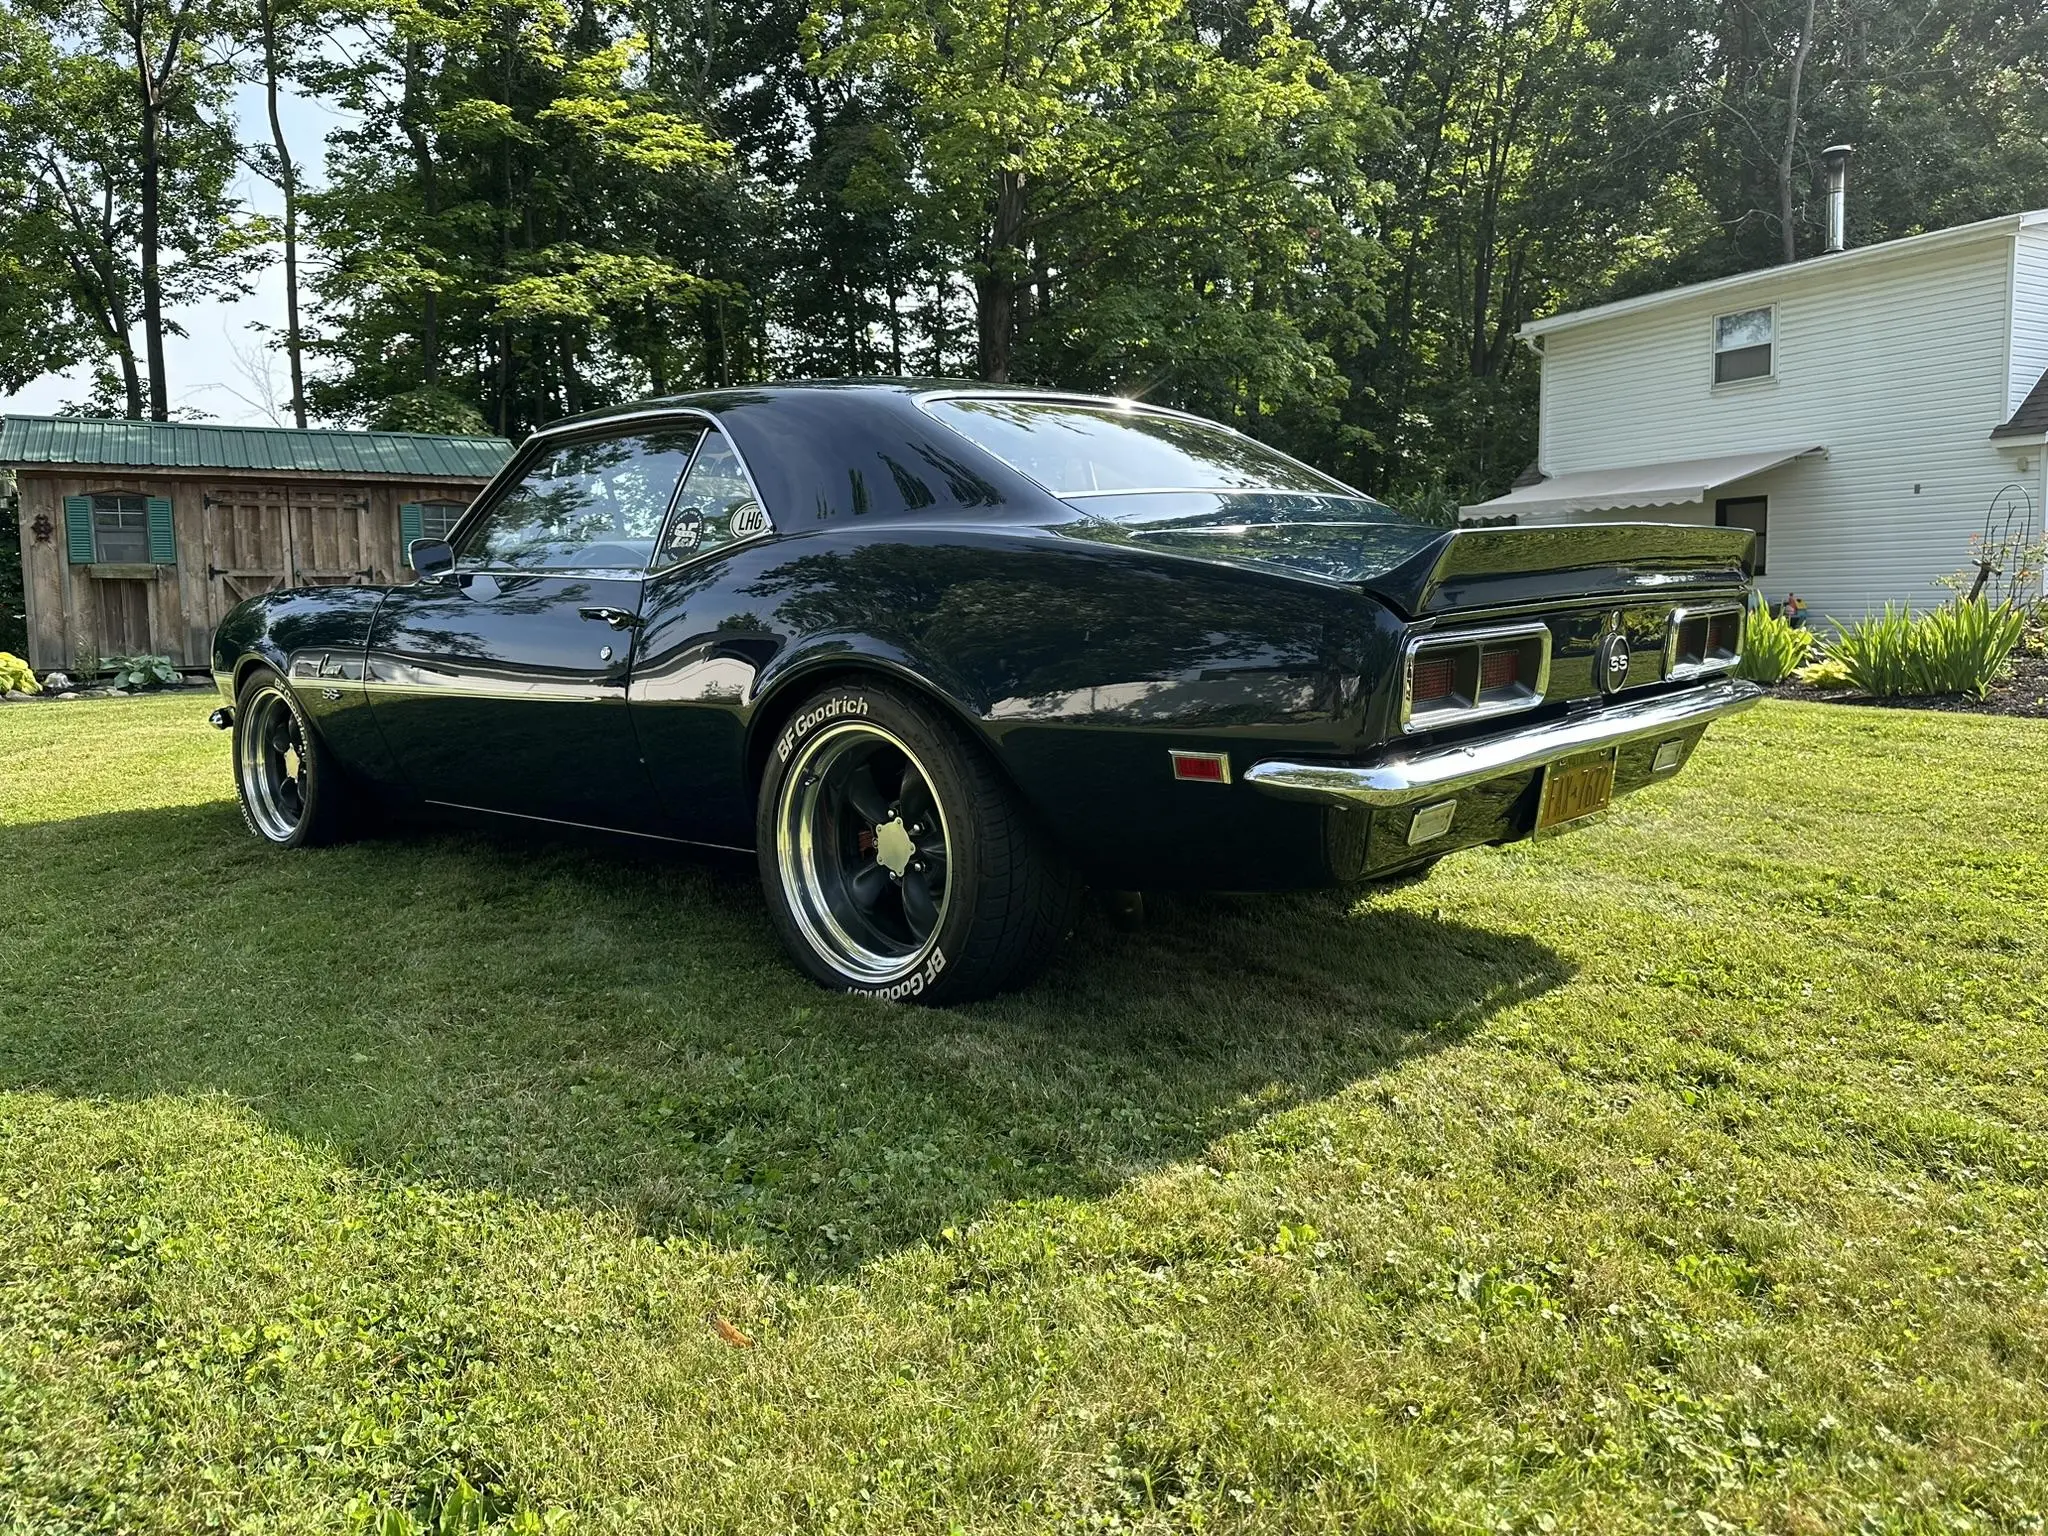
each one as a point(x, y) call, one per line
point(713, 400)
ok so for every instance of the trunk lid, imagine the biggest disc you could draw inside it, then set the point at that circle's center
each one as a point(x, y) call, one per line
point(1422, 571)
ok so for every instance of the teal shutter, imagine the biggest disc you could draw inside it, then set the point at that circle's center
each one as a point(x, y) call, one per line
point(163, 536)
point(78, 529)
point(410, 524)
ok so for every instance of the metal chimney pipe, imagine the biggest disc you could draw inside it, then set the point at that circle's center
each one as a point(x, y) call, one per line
point(1836, 158)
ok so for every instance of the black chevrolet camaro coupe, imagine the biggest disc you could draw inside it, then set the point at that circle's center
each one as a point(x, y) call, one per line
point(940, 655)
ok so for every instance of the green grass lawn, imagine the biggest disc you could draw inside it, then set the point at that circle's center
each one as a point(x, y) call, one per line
point(1686, 1173)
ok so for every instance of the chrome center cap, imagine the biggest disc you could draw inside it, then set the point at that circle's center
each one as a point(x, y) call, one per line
point(893, 848)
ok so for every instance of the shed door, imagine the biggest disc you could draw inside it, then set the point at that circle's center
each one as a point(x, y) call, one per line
point(330, 536)
point(123, 618)
point(247, 549)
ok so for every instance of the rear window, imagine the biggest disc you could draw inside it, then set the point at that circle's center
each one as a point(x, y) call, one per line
point(1079, 450)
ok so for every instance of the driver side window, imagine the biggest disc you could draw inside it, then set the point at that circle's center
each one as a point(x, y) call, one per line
point(593, 504)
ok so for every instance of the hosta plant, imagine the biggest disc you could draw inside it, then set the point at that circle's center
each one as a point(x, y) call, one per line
point(1827, 674)
point(15, 675)
point(1958, 648)
point(1771, 648)
point(139, 673)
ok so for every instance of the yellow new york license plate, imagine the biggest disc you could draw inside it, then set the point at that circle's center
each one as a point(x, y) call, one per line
point(1574, 788)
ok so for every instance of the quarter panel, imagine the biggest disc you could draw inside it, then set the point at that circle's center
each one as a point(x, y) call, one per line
point(1078, 666)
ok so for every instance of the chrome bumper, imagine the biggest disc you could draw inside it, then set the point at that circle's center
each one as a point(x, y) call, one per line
point(1426, 775)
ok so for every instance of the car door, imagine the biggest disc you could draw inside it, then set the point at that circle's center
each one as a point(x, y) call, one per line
point(701, 649)
point(500, 684)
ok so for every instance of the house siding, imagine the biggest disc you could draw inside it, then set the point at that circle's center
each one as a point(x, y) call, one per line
point(1899, 369)
point(2029, 314)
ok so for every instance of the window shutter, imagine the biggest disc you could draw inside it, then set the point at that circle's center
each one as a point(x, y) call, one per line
point(410, 525)
point(163, 536)
point(78, 543)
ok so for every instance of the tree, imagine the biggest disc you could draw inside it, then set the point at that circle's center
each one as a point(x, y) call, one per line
point(1135, 199)
point(290, 38)
point(518, 223)
point(130, 167)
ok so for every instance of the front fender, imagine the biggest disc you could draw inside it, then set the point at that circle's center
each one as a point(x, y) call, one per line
point(316, 638)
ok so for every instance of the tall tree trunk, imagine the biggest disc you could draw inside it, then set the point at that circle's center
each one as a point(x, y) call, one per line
point(288, 186)
point(1785, 229)
point(996, 284)
point(430, 201)
point(152, 223)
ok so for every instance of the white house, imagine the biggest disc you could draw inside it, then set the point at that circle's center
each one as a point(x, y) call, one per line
point(1868, 412)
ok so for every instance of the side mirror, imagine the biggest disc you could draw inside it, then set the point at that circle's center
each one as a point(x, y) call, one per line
point(429, 557)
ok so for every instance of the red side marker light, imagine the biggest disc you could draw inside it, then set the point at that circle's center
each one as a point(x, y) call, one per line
point(1201, 767)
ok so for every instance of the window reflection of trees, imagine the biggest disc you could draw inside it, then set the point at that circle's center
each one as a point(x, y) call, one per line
point(600, 501)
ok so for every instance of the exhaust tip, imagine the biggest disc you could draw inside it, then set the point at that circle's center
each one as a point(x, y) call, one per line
point(221, 719)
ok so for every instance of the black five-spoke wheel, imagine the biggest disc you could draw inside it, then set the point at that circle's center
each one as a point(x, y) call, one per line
point(864, 853)
point(897, 859)
point(291, 791)
point(271, 760)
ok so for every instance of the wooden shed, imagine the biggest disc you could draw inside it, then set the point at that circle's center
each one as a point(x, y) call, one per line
point(138, 536)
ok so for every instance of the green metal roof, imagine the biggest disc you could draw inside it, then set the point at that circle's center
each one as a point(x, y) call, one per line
point(26, 440)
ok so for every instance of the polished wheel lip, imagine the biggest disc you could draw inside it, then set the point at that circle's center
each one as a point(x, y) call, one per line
point(273, 773)
point(805, 882)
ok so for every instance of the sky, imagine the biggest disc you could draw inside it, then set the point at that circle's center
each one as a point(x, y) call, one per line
point(217, 369)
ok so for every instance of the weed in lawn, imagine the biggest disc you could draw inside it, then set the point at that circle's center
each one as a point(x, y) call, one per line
point(1688, 1171)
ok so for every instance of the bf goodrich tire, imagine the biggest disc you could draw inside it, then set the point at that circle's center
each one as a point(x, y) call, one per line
point(292, 792)
point(897, 861)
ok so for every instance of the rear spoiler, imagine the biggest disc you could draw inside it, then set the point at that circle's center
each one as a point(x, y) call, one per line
point(1493, 567)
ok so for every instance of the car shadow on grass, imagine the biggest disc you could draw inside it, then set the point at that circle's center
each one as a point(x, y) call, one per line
point(583, 1023)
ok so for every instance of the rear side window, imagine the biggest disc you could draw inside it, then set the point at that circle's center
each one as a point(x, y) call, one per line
point(1080, 450)
point(715, 507)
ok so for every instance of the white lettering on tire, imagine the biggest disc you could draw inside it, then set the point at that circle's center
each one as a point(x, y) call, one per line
point(802, 726)
point(911, 985)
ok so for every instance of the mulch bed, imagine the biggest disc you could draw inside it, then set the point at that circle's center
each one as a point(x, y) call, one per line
point(2023, 691)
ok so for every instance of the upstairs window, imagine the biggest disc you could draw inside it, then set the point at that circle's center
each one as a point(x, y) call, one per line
point(1742, 346)
point(120, 530)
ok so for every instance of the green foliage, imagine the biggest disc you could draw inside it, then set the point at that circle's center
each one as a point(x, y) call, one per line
point(1200, 201)
point(1326, 222)
point(517, 226)
point(141, 674)
point(1771, 648)
point(16, 676)
point(77, 249)
point(1957, 648)
point(1828, 674)
point(1559, 1189)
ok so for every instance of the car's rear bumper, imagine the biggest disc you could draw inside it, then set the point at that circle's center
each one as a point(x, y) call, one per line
point(1403, 779)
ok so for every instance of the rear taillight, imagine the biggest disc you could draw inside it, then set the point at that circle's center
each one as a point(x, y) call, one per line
point(1699, 641)
point(1500, 667)
point(1455, 676)
point(1435, 679)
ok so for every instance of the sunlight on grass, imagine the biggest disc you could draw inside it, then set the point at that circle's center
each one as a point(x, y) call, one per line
point(1686, 1170)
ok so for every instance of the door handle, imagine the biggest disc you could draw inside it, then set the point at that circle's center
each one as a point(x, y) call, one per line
point(618, 618)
